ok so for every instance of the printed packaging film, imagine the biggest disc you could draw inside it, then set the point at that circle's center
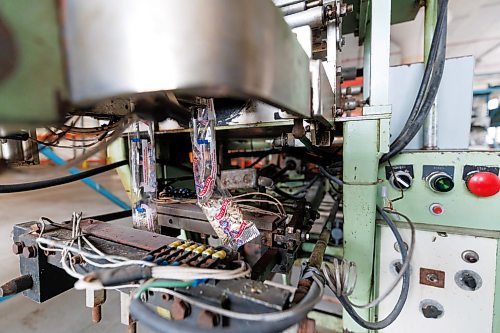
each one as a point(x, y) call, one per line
point(222, 212)
point(143, 170)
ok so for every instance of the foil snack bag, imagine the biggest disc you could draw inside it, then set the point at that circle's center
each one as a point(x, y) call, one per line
point(222, 212)
point(143, 170)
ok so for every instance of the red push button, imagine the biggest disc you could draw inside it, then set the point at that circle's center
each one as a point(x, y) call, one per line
point(436, 209)
point(483, 184)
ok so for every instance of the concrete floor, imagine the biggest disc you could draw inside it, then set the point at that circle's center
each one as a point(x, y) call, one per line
point(66, 312)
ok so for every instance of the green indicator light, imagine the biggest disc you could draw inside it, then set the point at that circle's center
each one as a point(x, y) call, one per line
point(443, 184)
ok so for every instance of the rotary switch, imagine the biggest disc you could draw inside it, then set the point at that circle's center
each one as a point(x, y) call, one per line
point(401, 180)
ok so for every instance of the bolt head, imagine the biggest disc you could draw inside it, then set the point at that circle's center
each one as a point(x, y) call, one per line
point(179, 310)
point(29, 252)
point(208, 319)
point(17, 248)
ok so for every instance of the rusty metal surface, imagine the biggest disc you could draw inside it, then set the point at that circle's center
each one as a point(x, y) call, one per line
point(239, 179)
point(140, 239)
point(49, 280)
point(240, 295)
point(432, 277)
point(16, 285)
point(307, 326)
point(191, 218)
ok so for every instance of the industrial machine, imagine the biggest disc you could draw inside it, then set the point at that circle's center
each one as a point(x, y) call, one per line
point(248, 157)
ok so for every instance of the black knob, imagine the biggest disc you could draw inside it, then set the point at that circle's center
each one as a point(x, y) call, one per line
point(401, 180)
point(431, 311)
point(469, 281)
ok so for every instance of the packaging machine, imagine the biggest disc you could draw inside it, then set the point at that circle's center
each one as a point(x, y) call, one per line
point(248, 158)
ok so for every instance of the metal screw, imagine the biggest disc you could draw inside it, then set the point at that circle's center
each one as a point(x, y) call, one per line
point(208, 319)
point(29, 252)
point(329, 13)
point(165, 297)
point(77, 260)
point(431, 277)
point(396, 246)
point(96, 314)
point(179, 310)
point(132, 325)
point(17, 247)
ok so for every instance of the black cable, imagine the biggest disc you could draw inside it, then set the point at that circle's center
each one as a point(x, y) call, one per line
point(420, 111)
point(300, 194)
point(415, 123)
point(429, 68)
point(13, 188)
point(254, 163)
point(111, 216)
point(404, 290)
point(143, 314)
point(330, 177)
point(428, 88)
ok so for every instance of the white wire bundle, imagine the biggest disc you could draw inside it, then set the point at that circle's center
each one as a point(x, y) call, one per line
point(240, 199)
point(68, 250)
point(193, 273)
point(96, 257)
point(247, 197)
point(341, 276)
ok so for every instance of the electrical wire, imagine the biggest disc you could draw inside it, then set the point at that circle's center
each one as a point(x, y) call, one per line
point(115, 262)
point(263, 323)
point(272, 200)
point(402, 271)
point(122, 125)
point(428, 88)
point(42, 184)
point(391, 317)
point(330, 177)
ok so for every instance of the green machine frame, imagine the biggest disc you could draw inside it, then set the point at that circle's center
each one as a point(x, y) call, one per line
point(367, 137)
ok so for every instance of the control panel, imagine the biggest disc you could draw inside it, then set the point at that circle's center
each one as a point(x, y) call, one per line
point(451, 275)
point(456, 189)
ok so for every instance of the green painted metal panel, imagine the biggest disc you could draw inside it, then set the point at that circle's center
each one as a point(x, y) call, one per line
point(461, 208)
point(402, 11)
point(361, 147)
point(29, 94)
point(359, 243)
point(363, 143)
point(325, 322)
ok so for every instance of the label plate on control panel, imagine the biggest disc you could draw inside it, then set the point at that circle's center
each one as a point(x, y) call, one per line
point(428, 169)
point(403, 167)
point(479, 168)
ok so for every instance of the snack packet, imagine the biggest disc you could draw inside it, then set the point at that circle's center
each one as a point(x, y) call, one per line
point(143, 171)
point(222, 212)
